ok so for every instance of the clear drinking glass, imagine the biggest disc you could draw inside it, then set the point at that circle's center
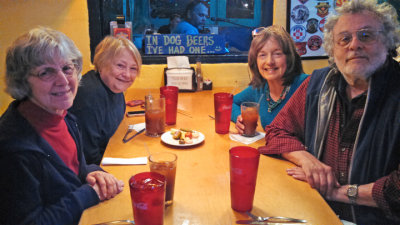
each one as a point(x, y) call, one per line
point(249, 111)
point(154, 116)
point(165, 163)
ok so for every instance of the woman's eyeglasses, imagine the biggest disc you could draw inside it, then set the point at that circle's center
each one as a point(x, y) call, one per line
point(364, 35)
point(50, 73)
point(259, 30)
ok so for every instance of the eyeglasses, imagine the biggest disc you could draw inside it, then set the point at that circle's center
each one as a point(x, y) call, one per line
point(259, 30)
point(364, 35)
point(50, 73)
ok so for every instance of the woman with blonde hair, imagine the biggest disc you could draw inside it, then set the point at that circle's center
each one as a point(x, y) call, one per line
point(100, 102)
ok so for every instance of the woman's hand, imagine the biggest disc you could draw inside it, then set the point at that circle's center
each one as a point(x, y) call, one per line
point(239, 124)
point(105, 184)
point(319, 175)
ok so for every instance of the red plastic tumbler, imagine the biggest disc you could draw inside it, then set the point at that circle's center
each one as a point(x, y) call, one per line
point(171, 103)
point(223, 109)
point(243, 169)
point(148, 198)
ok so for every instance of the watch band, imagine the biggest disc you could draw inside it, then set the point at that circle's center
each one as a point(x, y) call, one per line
point(352, 193)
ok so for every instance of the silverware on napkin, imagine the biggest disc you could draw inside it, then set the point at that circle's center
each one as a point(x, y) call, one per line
point(130, 129)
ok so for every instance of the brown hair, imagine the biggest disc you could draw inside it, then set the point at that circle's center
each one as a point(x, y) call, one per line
point(294, 67)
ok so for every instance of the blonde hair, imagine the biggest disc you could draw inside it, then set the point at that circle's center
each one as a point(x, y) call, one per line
point(110, 47)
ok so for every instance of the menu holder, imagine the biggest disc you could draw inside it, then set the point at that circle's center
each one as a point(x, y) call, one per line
point(183, 78)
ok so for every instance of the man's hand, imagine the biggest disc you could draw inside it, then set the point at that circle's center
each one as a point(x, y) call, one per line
point(239, 124)
point(105, 184)
point(317, 174)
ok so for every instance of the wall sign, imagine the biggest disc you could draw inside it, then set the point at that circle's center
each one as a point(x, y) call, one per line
point(306, 19)
point(184, 44)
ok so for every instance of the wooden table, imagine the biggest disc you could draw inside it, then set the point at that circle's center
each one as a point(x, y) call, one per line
point(202, 188)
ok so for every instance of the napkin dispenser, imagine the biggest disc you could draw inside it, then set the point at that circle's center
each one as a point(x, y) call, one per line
point(180, 74)
point(184, 79)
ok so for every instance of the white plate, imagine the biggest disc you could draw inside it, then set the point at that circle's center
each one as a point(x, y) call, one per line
point(167, 139)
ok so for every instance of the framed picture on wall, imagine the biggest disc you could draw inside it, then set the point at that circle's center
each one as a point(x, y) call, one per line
point(305, 23)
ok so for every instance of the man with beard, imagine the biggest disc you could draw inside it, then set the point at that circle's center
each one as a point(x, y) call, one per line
point(196, 14)
point(342, 126)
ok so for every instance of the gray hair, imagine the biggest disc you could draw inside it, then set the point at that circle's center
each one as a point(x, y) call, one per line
point(32, 49)
point(384, 12)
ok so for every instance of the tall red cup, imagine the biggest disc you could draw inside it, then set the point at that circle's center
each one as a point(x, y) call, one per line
point(223, 109)
point(148, 198)
point(171, 103)
point(243, 169)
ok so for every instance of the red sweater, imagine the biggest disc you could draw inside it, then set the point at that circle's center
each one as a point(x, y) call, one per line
point(54, 130)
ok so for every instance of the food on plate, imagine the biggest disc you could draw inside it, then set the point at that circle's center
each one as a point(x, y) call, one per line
point(184, 136)
point(176, 134)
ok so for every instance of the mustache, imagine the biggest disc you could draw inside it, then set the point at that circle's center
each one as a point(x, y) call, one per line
point(356, 56)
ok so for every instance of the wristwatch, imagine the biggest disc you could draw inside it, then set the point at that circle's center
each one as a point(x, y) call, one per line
point(352, 193)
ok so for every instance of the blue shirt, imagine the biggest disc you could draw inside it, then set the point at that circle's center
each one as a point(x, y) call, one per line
point(185, 28)
point(251, 94)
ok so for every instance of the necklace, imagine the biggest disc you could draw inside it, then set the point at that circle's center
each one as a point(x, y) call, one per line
point(271, 103)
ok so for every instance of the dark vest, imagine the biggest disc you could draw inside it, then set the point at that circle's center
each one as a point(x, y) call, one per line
point(376, 152)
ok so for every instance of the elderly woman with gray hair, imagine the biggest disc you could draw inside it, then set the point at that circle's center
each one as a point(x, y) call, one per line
point(44, 176)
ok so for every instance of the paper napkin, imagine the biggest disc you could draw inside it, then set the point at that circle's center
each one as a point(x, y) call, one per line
point(246, 140)
point(124, 161)
point(138, 127)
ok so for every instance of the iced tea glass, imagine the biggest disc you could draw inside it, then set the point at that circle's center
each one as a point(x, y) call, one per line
point(165, 163)
point(171, 103)
point(243, 176)
point(249, 111)
point(223, 109)
point(154, 116)
point(148, 198)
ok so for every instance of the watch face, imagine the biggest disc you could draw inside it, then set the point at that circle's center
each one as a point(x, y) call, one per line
point(352, 191)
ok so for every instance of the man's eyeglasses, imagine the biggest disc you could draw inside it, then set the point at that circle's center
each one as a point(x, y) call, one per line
point(50, 73)
point(365, 36)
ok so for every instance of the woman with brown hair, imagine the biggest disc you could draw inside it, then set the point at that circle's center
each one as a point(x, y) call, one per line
point(276, 73)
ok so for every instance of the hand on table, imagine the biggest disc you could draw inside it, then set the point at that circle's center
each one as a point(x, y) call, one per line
point(105, 184)
point(239, 124)
point(319, 175)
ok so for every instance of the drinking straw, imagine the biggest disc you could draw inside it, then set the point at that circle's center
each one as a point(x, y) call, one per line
point(147, 148)
point(235, 88)
point(259, 100)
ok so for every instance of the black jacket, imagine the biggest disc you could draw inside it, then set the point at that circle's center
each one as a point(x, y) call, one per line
point(36, 185)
